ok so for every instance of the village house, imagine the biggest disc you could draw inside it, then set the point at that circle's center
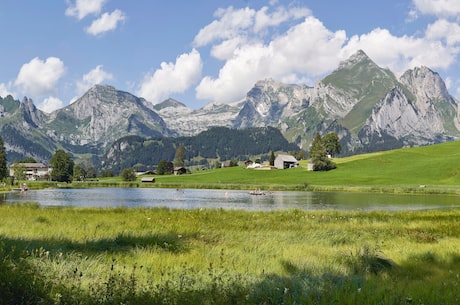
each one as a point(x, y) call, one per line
point(285, 161)
point(32, 171)
point(179, 170)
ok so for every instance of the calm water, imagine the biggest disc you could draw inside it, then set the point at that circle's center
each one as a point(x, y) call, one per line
point(229, 199)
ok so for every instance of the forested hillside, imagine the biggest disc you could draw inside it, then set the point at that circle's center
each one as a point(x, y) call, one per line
point(217, 143)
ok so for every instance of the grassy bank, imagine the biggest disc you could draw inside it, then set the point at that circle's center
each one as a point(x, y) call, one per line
point(161, 256)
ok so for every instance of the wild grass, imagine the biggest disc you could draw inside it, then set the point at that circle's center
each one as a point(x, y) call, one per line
point(215, 256)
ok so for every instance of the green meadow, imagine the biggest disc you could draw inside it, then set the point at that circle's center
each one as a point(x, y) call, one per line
point(216, 256)
point(434, 168)
point(162, 256)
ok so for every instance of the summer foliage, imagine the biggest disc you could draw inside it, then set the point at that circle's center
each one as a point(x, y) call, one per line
point(320, 148)
point(62, 165)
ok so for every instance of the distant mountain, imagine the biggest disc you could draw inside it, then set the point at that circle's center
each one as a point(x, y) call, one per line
point(367, 106)
point(187, 122)
point(103, 115)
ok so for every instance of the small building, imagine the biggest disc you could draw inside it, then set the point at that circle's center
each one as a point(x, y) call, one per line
point(179, 170)
point(32, 171)
point(148, 179)
point(285, 161)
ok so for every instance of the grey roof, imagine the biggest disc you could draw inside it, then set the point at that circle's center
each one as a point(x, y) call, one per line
point(287, 158)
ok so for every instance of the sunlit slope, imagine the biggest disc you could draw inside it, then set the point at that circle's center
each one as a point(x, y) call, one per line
point(430, 165)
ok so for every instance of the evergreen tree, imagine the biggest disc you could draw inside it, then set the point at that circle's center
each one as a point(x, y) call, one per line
point(3, 162)
point(318, 155)
point(62, 166)
point(271, 160)
point(179, 158)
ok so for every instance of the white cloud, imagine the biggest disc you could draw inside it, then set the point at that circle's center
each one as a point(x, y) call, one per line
point(264, 20)
point(50, 104)
point(445, 31)
point(94, 77)
point(307, 48)
point(5, 90)
point(439, 8)
point(39, 77)
point(402, 53)
point(172, 77)
point(106, 22)
point(230, 24)
point(82, 8)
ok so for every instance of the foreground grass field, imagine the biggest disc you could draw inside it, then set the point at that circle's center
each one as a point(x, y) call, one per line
point(161, 256)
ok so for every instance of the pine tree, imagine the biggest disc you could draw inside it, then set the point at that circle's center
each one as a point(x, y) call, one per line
point(3, 162)
point(179, 158)
point(271, 160)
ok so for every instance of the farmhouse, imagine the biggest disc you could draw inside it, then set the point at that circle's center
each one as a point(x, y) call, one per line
point(32, 171)
point(285, 161)
point(179, 170)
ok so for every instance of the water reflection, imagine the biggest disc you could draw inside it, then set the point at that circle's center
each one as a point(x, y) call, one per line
point(229, 199)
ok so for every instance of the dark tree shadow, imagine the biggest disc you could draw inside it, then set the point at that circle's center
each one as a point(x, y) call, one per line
point(170, 242)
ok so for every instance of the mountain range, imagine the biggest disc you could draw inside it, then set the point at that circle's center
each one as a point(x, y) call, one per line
point(369, 107)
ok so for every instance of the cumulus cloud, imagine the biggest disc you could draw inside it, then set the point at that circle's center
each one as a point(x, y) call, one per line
point(5, 90)
point(265, 19)
point(402, 53)
point(106, 22)
point(50, 104)
point(82, 8)
point(231, 23)
point(445, 31)
point(172, 77)
point(39, 77)
point(94, 77)
point(234, 23)
point(439, 8)
point(306, 48)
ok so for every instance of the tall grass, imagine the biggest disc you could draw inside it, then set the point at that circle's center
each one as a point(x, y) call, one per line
point(162, 256)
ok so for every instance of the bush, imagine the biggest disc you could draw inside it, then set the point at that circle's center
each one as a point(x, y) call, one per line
point(128, 174)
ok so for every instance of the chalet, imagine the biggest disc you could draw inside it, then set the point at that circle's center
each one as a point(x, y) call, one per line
point(179, 170)
point(32, 171)
point(285, 161)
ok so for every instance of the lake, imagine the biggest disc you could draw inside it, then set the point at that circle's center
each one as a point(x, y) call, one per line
point(229, 199)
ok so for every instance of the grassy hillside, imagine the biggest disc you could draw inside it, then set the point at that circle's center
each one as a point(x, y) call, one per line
point(436, 166)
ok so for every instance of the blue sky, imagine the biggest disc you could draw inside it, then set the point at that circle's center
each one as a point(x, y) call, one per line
point(203, 51)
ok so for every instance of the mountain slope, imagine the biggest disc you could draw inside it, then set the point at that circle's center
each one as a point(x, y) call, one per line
point(217, 143)
point(367, 106)
point(187, 122)
point(103, 115)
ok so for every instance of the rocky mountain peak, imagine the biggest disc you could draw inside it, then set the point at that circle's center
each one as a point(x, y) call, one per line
point(359, 57)
point(31, 114)
point(425, 84)
point(169, 103)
